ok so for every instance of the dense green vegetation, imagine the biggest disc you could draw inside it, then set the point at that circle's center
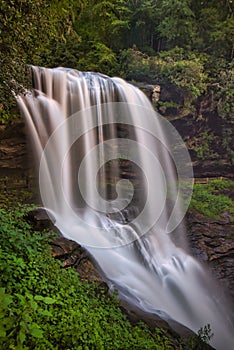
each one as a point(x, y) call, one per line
point(184, 44)
point(106, 35)
point(212, 199)
point(26, 31)
point(43, 306)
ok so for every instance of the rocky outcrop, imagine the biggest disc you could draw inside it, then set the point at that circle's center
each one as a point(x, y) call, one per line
point(208, 136)
point(13, 146)
point(212, 242)
point(16, 161)
point(151, 91)
point(72, 254)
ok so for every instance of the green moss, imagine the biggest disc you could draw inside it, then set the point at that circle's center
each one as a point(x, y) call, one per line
point(209, 200)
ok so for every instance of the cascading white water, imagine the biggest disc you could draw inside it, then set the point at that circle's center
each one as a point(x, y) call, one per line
point(92, 135)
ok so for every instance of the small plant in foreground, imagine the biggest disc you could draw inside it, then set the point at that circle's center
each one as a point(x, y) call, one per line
point(200, 340)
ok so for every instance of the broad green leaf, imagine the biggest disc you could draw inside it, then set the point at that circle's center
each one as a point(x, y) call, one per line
point(2, 332)
point(22, 336)
point(48, 300)
point(35, 330)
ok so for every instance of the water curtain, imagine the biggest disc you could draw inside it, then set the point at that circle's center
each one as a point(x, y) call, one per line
point(117, 178)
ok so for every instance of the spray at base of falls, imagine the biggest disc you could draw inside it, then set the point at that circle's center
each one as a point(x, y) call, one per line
point(111, 176)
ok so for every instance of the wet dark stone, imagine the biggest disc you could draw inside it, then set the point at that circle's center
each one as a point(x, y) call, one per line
point(39, 219)
point(73, 254)
point(211, 241)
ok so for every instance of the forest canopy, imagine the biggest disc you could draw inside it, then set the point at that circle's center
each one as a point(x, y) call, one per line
point(188, 43)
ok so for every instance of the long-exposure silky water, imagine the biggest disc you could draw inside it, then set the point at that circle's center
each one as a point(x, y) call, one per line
point(112, 173)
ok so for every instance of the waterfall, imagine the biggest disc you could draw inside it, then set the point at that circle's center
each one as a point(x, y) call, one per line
point(116, 177)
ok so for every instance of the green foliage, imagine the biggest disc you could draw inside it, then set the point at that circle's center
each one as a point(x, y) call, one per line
point(26, 29)
point(143, 20)
point(136, 65)
point(103, 22)
point(225, 94)
point(214, 27)
point(174, 67)
point(6, 116)
point(43, 306)
point(205, 333)
point(177, 24)
point(63, 53)
point(99, 58)
point(203, 145)
point(186, 72)
point(184, 43)
point(209, 200)
point(221, 89)
point(83, 56)
point(164, 105)
point(199, 341)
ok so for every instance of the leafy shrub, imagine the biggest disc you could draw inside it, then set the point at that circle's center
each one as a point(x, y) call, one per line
point(200, 341)
point(202, 145)
point(225, 108)
point(6, 116)
point(98, 58)
point(43, 306)
point(136, 65)
point(174, 66)
point(207, 199)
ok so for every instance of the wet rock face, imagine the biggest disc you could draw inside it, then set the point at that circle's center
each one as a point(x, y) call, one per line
point(17, 166)
point(72, 254)
point(39, 219)
point(193, 123)
point(13, 149)
point(212, 241)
